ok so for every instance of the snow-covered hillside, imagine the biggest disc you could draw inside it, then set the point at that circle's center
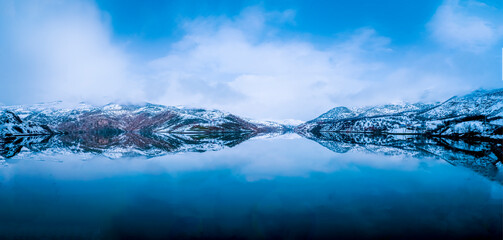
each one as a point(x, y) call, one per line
point(11, 125)
point(113, 118)
point(479, 114)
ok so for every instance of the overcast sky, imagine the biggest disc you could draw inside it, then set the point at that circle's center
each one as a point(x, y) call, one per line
point(274, 60)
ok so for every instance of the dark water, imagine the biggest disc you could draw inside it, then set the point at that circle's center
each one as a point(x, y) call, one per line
point(285, 187)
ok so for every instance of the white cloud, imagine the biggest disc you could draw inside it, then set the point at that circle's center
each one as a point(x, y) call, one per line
point(223, 63)
point(61, 50)
point(64, 51)
point(465, 25)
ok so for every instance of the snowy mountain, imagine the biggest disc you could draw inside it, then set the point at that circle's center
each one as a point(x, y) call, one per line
point(146, 118)
point(11, 125)
point(479, 114)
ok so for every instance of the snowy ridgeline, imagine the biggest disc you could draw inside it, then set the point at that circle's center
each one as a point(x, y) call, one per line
point(56, 117)
point(11, 125)
point(479, 114)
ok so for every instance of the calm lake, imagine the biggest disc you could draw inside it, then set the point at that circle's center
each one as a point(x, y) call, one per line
point(263, 188)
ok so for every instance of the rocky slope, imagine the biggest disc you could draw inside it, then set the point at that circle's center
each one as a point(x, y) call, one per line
point(11, 126)
point(479, 114)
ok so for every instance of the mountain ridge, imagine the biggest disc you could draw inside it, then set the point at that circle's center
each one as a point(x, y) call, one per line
point(117, 118)
point(477, 114)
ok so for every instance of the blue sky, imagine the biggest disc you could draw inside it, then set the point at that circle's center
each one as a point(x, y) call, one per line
point(259, 59)
point(320, 20)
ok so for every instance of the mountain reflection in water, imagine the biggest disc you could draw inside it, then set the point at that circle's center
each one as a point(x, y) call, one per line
point(124, 144)
point(482, 156)
point(125, 186)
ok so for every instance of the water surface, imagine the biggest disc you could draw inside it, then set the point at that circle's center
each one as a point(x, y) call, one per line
point(263, 188)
